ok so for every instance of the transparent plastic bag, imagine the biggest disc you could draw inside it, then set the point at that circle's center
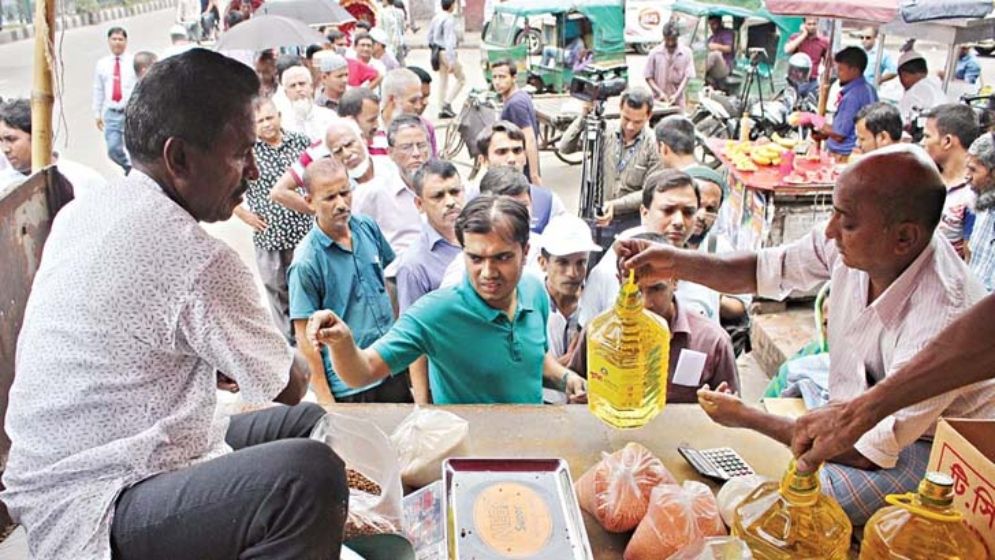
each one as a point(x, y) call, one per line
point(715, 548)
point(734, 491)
point(367, 450)
point(678, 516)
point(616, 491)
point(424, 439)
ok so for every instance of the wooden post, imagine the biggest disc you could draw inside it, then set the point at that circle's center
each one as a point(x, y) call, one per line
point(42, 96)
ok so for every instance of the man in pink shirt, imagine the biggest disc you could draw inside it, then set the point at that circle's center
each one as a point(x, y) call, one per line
point(669, 67)
point(896, 285)
point(808, 41)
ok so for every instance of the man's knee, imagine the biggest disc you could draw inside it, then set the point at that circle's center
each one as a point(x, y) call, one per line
point(319, 469)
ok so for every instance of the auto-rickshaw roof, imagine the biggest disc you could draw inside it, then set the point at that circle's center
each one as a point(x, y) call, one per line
point(607, 17)
point(743, 9)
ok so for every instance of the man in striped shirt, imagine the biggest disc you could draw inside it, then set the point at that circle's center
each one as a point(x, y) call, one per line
point(981, 176)
point(896, 285)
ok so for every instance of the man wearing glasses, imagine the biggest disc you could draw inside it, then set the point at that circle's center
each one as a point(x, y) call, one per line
point(888, 69)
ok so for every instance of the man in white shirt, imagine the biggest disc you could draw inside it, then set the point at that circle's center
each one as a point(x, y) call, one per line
point(922, 91)
point(304, 117)
point(151, 315)
point(113, 81)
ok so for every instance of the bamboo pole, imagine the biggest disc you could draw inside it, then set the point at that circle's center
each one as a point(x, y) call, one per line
point(42, 96)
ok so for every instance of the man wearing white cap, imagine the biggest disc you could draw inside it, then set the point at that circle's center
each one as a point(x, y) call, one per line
point(922, 91)
point(304, 116)
point(180, 40)
point(565, 248)
point(380, 51)
point(334, 78)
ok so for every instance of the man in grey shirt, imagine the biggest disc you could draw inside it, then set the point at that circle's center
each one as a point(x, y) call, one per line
point(442, 33)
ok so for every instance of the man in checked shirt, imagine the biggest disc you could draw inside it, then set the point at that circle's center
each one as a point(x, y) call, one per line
point(896, 286)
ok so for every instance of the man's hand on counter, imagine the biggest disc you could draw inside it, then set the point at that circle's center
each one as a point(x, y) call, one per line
point(722, 405)
point(576, 388)
point(326, 328)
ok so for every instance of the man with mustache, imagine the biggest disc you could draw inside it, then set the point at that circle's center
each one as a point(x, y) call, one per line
point(339, 265)
point(485, 339)
point(116, 450)
point(306, 117)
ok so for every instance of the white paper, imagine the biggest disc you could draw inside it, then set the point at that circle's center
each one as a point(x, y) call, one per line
point(690, 365)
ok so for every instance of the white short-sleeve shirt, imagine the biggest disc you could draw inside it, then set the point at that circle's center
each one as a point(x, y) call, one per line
point(134, 309)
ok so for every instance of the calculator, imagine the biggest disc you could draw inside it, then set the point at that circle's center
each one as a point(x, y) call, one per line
point(721, 463)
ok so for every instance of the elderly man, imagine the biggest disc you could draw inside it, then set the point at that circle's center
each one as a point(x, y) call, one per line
point(502, 144)
point(276, 229)
point(304, 117)
point(113, 80)
point(981, 177)
point(334, 71)
point(878, 125)
point(404, 92)
point(493, 349)
point(669, 67)
point(630, 153)
point(896, 285)
point(362, 106)
point(922, 91)
point(151, 315)
point(339, 266)
point(950, 129)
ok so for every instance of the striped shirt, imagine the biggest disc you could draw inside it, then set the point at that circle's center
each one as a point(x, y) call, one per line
point(870, 341)
point(983, 248)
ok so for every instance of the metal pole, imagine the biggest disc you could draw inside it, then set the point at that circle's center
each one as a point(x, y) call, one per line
point(951, 67)
point(827, 71)
point(879, 55)
point(42, 97)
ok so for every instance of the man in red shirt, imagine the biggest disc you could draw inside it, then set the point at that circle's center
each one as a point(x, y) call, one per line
point(809, 41)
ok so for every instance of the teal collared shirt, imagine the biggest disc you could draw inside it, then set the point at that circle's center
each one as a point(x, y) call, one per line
point(325, 275)
point(476, 354)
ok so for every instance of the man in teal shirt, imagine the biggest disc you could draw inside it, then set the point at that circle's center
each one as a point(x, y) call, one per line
point(339, 265)
point(485, 339)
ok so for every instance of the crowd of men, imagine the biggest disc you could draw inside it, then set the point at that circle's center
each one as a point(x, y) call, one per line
point(389, 277)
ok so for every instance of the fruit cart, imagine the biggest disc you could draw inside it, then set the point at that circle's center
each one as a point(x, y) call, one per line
point(775, 196)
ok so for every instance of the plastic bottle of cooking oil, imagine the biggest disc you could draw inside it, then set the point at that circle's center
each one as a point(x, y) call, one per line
point(793, 520)
point(628, 352)
point(921, 526)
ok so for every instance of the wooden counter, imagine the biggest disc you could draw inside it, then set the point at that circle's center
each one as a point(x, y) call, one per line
point(572, 433)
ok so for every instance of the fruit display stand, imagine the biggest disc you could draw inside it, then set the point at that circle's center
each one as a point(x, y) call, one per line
point(770, 204)
point(572, 433)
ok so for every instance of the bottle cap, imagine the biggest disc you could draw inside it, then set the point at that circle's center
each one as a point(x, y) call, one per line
point(937, 489)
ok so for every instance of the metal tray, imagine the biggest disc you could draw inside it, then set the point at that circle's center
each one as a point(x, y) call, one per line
point(512, 508)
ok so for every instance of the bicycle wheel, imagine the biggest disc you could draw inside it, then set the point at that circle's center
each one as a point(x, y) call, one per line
point(453, 142)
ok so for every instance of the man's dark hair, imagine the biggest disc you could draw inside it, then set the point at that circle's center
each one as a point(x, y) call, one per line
point(310, 52)
point(714, 17)
point(424, 76)
point(446, 4)
point(361, 36)
point(512, 67)
point(364, 25)
point(143, 60)
point(914, 66)
point(486, 211)
point(436, 167)
point(665, 180)
point(958, 120)
point(400, 122)
point(192, 96)
point(117, 30)
point(17, 114)
point(677, 132)
point(351, 103)
point(508, 128)
point(234, 18)
point(854, 57)
point(653, 237)
point(882, 117)
point(334, 35)
point(638, 98)
point(505, 181)
point(671, 29)
point(285, 61)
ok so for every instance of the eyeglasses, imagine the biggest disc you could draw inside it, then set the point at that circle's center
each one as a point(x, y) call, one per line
point(420, 147)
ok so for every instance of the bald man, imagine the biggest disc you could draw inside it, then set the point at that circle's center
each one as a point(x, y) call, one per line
point(895, 284)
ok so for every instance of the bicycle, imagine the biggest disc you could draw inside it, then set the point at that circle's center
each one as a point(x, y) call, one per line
point(480, 110)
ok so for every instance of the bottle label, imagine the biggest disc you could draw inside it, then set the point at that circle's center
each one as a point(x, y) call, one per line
point(622, 386)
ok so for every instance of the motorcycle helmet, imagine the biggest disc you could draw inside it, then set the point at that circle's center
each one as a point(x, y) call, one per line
point(799, 69)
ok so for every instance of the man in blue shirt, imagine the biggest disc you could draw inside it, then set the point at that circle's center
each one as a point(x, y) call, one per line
point(485, 339)
point(340, 265)
point(968, 68)
point(518, 109)
point(854, 95)
point(888, 69)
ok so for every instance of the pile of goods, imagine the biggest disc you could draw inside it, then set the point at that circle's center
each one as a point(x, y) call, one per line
point(746, 156)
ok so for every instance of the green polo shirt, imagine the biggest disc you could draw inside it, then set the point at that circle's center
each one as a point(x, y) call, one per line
point(476, 354)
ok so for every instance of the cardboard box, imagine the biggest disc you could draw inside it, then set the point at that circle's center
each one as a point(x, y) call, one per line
point(965, 450)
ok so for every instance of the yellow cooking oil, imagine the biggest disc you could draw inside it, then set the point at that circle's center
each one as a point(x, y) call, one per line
point(628, 352)
point(921, 526)
point(793, 520)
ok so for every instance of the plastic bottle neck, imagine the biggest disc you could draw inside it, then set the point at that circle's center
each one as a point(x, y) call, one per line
point(800, 488)
point(630, 300)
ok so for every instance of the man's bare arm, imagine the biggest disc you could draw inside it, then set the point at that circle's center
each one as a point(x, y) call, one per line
point(420, 389)
point(730, 273)
point(285, 192)
point(532, 154)
point(297, 383)
point(316, 366)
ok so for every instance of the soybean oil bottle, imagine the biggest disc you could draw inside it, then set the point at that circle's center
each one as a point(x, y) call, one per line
point(921, 526)
point(793, 520)
point(628, 352)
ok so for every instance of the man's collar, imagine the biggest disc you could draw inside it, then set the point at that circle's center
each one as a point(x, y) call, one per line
point(324, 240)
point(853, 83)
point(479, 306)
point(889, 304)
point(681, 324)
point(432, 235)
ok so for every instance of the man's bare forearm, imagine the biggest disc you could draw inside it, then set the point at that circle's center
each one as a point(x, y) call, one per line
point(782, 428)
point(420, 390)
point(729, 273)
point(296, 383)
point(285, 192)
point(352, 365)
point(532, 154)
point(316, 366)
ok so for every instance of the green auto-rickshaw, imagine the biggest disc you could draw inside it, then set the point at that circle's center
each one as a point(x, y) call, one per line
point(759, 40)
point(563, 25)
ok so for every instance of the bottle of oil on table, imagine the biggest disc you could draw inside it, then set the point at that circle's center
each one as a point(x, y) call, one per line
point(628, 352)
point(793, 519)
point(921, 526)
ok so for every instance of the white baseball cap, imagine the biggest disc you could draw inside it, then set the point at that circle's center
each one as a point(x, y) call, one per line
point(567, 234)
point(378, 35)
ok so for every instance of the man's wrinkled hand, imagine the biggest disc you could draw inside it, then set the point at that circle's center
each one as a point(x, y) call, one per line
point(326, 328)
point(652, 261)
point(721, 405)
point(825, 433)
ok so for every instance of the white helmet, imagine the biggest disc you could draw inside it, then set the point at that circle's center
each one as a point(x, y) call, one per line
point(799, 68)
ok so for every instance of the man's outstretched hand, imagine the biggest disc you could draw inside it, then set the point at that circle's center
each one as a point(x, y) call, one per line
point(326, 328)
point(651, 261)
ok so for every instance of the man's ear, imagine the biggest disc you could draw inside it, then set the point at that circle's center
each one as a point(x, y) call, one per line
point(176, 157)
point(419, 204)
point(908, 237)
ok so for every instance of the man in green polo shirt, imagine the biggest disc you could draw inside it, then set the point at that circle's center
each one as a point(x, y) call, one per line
point(485, 339)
